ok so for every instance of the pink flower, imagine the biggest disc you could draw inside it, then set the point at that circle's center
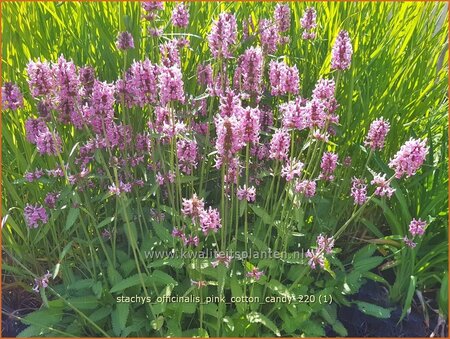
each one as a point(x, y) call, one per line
point(359, 191)
point(199, 284)
point(193, 207)
point(283, 79)
point(34, 215)
point(249, 119)
point(221, 259)
point(417, 227)
point(409, 242)
point(41, 282)
point(11, 97)
point(314, 111)
point(233, 170)
point(377, 133)
point(33, 128)
point(279, 145)
point(282, 16)
point(204, 75)
point(210, 220)
point(409, 158)
point(244, 193)
point(178, 233)
point(269, 36)
point(143, 82)
point(124, 41)
point(170, 55)
point(180, 16)
point(40, 78)
point(308, 20)
point(170, 85)
point(255, 273)
point(222, 36)
point(341, 54)
point(295, 114)
point(328, 166)
point(152, 5)
point(306, 187)
point(187, 154)
point(316, 258)
point(229, 138)
point(324, 89)
point(51, 199)
point(308, 35)
point(190, 241)
point(68, 88)
point(48, 143)
point(251, 70)
point(291, 170)
point(325, 244)
point(230, 104)
point(383, 187)
point(159, 179)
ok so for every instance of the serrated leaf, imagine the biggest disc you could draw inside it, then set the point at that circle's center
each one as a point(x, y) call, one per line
point(126, 283)
point(366, 264)
point(119, 317)
point(100, 314)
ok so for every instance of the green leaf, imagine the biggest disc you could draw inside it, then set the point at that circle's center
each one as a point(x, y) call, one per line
point(373, 310)
point(72, 217)
point(100, 314)
point(365, 252)
point(105, 222)
point(161, 278)
point(88, 302)
point(47, 317)
point(339, 328)
point(162, 232)
point(255, 317)
point(409, 296)
point(157, 323)
point(65, 251)
point(119, 317)
point(312, 329)
point(443, 296)
point(366, 264)
point(126, 283)
point(262, 213)
point(236, 292)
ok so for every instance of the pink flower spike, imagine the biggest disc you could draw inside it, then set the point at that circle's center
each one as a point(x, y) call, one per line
point(359, 191)
point(193, 207)
point(341, 54)
point(279, 145)
point(180, 16)
point(383, 187)
point(417, 227)
point(409, 158)
point(377, 133)
point(255, 273)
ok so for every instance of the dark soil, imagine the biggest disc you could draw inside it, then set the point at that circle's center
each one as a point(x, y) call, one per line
point(414, 324)
point(16, 303)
